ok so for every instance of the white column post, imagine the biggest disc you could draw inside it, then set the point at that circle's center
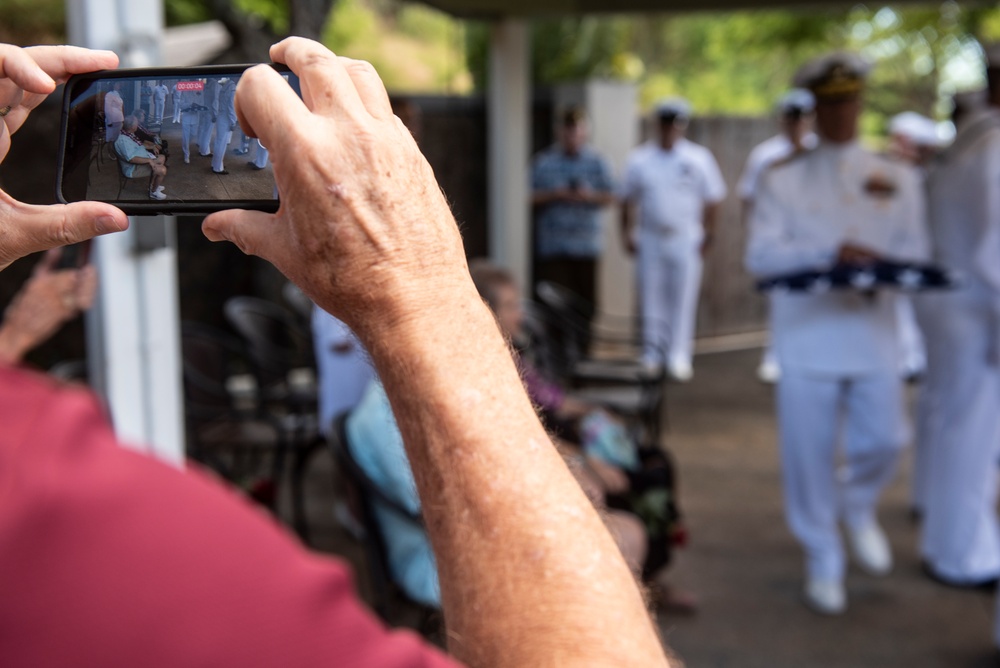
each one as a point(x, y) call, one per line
point(133, 334)
point(508, 119)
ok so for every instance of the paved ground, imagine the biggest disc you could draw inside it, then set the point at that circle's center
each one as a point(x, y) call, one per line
point(192, 181)
point(744, 564)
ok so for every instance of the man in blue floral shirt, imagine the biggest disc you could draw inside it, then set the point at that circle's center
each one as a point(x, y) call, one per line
point(570, 183)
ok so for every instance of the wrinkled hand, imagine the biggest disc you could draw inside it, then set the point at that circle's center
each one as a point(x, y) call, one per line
point(362, 227)
point(850, 253)
point(28, 76)
point(48, 299)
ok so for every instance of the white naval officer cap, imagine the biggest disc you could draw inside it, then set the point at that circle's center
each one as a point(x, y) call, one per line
point(673, 107)
point(797, 100)
point(836, 75)
point(919, 129)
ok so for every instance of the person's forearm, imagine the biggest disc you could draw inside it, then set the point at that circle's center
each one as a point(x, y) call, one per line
point(499, 502)
point(12, 346)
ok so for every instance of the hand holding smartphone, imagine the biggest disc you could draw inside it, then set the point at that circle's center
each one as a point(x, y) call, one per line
point(177, 150)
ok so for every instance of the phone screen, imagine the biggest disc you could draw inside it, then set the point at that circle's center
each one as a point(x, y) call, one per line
point(163, 141)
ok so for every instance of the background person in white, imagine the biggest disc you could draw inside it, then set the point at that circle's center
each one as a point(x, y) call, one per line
point(225, 121)
point(961, 540)
point(676, 186)
point(159, 102)
point(838, 351)
point(796, 113)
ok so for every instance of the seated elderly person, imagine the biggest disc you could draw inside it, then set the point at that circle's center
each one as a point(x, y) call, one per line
point(376, 445)
point(150, 139)
point(132, 152)
point(635, 479)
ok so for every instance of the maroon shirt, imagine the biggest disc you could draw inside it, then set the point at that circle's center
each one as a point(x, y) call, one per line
point(110, 558)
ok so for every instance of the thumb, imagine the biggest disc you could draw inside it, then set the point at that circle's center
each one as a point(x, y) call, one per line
point(36, 228)
point(253, 232)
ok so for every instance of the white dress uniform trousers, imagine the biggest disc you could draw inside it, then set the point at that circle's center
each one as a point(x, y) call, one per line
point(838, 351)
point(671, 189)
point(961, 539)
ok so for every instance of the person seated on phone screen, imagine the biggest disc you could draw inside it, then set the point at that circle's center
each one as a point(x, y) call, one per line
point(150, 139)
point(131, 152)
point(529, 574)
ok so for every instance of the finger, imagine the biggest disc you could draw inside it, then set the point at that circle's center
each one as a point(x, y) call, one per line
point(30, 228)
point(18, 65)
point(59, 62)
point(266, 107)
point(370, 88)
point(327, 87)
point(253, 232)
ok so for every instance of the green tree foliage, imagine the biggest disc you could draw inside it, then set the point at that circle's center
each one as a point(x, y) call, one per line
point(26, 22)
point(740, 62)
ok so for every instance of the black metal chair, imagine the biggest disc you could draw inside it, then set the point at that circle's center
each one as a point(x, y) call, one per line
point(224, 431)
point(361, 495)
point(137, 173)
point(279, 350)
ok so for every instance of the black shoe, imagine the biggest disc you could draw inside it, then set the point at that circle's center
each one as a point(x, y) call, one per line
point(224, 171)
point(253, 166)
point(987, 586)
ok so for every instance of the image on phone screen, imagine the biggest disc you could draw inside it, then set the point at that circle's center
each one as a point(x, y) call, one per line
point(163, 141)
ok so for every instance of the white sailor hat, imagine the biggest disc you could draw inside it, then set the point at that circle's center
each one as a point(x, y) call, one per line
point(797, 100)
point(919, 129)
point(834, 76)
point(673, 107)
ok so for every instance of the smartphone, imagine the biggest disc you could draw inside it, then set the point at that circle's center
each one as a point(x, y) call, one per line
point(162, 141)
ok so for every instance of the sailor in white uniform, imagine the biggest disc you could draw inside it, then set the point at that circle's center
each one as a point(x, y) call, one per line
point(206, 120)
point(838, 351)
point(159, 102)
point(175, 99)
point(795, 117)
point(677, 187)
point(225, 121)
point(961, 540)
point(191, 105)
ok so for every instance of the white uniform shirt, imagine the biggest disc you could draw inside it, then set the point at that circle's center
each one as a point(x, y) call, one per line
point(765, 154)
point(964, 200)
point(805, 210)
point(672, 187)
